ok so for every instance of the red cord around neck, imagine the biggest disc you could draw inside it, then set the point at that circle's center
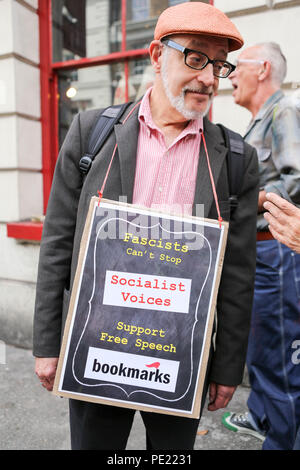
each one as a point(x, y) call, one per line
point(100, 193)
point(212, 180)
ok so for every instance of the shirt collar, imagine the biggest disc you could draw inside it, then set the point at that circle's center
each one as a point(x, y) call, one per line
point(265, 109)
point(145, 116)
point(268, 105)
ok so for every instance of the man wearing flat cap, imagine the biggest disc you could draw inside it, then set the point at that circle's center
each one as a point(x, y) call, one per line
point(161, 161)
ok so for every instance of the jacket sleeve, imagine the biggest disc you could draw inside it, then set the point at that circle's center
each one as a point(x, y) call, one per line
point(56, 246)
point(286, 150)
point(234, 303)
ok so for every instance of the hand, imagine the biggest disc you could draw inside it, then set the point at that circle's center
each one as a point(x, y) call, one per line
point(284, 221)
point(45, 369)
point(219, 396)
point(261, 199)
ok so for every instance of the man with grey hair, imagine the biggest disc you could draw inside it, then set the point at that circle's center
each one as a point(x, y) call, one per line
point(273, 52)
point(166, 158)
point(274, 401)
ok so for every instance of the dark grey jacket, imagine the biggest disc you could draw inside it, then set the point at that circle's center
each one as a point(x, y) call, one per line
point(65, 219)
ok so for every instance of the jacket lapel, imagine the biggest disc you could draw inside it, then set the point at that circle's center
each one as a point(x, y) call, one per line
point(217, 153)
point(127, 139)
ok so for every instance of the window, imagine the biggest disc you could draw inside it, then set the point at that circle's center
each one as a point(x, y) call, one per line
point(99, 56)
point(139, 9)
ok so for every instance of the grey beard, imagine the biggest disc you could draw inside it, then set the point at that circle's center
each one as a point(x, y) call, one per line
point(178, 101)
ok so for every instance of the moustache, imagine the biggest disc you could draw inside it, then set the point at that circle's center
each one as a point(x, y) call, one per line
point(201, 90)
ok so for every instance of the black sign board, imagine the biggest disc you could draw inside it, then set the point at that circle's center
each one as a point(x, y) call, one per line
point(142, 307)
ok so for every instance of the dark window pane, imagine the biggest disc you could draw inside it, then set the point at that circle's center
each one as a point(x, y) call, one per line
point(84, 28)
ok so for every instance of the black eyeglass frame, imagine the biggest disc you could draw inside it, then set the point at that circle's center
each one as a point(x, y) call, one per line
point(186, 51)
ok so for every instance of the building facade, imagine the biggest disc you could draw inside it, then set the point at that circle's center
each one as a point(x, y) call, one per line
point(59, 57)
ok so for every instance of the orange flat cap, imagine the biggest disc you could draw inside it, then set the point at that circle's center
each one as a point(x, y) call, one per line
point(198, 18)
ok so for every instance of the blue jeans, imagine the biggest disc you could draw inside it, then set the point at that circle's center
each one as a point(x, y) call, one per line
point(273, 357)
point(297, 441)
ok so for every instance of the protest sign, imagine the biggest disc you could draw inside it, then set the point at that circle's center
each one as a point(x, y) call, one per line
point(140, 319)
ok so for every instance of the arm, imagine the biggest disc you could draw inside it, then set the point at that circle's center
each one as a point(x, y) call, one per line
point(235, 296)
point(261, 200)
point(286, 151)
point(56, 247)
point(55, 258)
point(56, 251)
point(284, 221)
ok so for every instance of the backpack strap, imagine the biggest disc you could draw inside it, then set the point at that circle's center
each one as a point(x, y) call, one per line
point(235, 163)
point(100, 132)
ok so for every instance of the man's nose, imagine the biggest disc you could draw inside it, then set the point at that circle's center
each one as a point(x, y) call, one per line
point(206, 76)
point(232, 75)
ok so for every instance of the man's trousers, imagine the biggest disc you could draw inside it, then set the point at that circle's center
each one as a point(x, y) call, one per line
point(103, 427)
point(273, 357)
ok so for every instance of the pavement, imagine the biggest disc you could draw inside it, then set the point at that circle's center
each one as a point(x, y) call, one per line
point(34, 419)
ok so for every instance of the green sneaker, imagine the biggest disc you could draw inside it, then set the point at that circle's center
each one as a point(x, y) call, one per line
point(239, 422)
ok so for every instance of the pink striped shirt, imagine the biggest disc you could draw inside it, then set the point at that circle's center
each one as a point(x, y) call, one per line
point(165, 177)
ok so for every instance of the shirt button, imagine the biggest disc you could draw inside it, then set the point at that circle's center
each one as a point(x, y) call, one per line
point(160, 189)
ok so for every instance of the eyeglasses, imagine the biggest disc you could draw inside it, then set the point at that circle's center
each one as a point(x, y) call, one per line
point(248, 61)
point(198, 60)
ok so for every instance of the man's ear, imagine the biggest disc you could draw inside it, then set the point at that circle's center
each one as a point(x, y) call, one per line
point(265, 72)
point(155, 51)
